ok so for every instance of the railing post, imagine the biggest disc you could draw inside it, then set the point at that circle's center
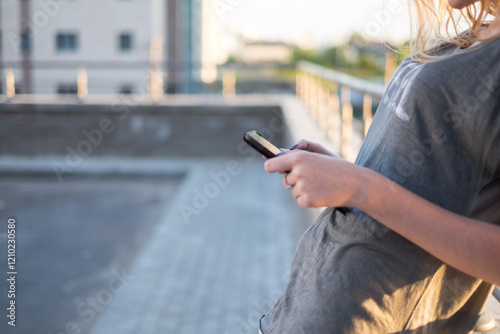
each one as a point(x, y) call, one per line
point(367, 112)
point(390, 66)
point(346, 151)
point(320, 100)
point(305, 87)
point(314, 96)
point(82, 82)
point(155, 85)
point(298, 84)
point(10, 83)
point(310, 92)
point(323, 105)
point(334, 122)
point(229, 83)
point(317, 97)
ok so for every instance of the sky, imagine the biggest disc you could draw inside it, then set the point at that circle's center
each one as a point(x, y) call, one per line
point(314, 23)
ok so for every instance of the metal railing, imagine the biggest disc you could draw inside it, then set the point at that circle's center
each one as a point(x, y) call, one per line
point(85, 78)
point(328, 95)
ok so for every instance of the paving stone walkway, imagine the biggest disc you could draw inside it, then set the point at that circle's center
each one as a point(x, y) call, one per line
point(197, 246)
point(216, 260)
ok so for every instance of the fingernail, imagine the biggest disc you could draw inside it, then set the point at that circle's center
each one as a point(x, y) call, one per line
point(294, 147)
point(281, 153)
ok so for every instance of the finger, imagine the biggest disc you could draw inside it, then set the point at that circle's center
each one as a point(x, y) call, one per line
point(296, 193)
point(301, 145)
point(312, 146)
point(302, 198)
point(280, 164)
point(287, 171)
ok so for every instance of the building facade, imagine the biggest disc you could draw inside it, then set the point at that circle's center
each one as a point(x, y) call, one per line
point(117, 46)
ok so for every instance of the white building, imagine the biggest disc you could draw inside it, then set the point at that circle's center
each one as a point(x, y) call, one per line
point(119, 43)
point(260, 52)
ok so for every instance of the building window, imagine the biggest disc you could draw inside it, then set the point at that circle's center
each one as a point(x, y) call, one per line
point(126, 90)
point(67, 89)
point(25, 42)
point(125, 42)
point(66, 42)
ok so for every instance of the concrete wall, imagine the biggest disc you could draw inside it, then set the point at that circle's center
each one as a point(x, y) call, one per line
point(162, 131)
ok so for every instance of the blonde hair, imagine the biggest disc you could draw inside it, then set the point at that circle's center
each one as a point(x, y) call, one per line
point(438, 24)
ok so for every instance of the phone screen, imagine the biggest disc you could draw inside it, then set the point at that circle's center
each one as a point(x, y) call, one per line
point(264, 142)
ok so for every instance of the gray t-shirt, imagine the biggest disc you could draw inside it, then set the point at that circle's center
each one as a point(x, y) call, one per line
point(436, 133)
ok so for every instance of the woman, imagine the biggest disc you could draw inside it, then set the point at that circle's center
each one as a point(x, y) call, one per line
point(421, 246)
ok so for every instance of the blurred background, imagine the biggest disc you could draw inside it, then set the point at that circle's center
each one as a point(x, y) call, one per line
point(189, 47)
point(132, 201)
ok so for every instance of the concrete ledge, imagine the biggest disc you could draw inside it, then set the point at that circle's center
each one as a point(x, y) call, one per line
point(166, 129)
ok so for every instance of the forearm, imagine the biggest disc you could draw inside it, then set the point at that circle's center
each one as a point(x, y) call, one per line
point(469, 245)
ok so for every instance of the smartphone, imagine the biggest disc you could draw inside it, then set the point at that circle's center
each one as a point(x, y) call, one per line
point(261, 144)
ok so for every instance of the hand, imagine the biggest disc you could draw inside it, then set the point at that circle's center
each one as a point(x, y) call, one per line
point(306, 145)
point(319, 180)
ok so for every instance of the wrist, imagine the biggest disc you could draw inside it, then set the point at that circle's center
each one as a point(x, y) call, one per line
point(376, 191)
point(362, 188)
